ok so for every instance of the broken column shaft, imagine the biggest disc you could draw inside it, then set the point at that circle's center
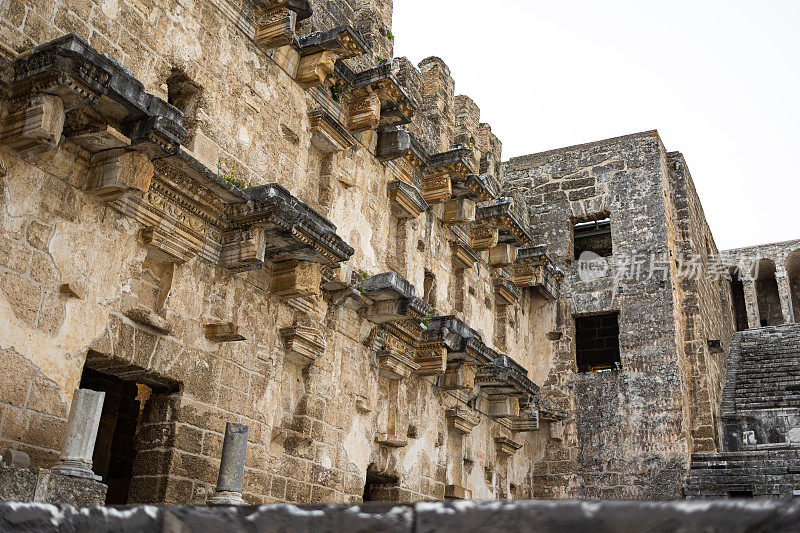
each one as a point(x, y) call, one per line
point(84, 420)
point(231, 468)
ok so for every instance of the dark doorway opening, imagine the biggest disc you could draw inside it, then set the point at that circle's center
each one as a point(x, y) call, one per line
point(381, 488)
point(739, 304)
point(768, 295)
point(115, 450)
point(597, 342)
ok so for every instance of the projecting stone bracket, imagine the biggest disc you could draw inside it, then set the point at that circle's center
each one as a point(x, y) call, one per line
point(506, 384)
point(459, 211)
point(376, 97)
point(459, 376)
point(276, 20)
point(483, 237)
point(295, 279)
point(319, 52)
point(117, 173)
point(461, 419)
point(505, 446)
point(463, 254)
point(527, 421)
point(328, 134)
point(223, 332)
point(534, 268)
point(406, 200)
point(505, 291)
point(445, 174)
point(33, 124)
point(501, 214)
point(304, 345)
point(502, 255)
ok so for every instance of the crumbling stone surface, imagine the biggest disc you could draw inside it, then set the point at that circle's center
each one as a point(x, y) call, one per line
point(42, 485)
point(604, 517)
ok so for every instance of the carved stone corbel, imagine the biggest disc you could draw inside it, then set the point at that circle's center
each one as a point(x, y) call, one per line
point(295, 279)
point(502, 255)
point(483, 237)
point(365, 111)
point(460, 376)
point(275, 21)
point(502, 406)
point(304, 345)
point(437, 189)
point(315, 68)
point(243, 249)
point(461, 419)
point(227, 332)
point(505, 446)
point(459, 211)
point(33, 124)
point(117, 173)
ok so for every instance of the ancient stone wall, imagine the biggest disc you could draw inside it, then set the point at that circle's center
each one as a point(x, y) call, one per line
point(629, 431)
point(227, 216)
point(705, 307)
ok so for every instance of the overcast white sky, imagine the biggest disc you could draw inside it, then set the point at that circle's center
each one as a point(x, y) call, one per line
point(719, 80)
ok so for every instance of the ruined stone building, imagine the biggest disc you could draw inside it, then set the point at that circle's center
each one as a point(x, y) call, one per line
point(221, 211)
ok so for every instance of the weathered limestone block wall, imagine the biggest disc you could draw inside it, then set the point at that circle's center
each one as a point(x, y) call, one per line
point(137, 316)
point(627, 435)
point(706, 309)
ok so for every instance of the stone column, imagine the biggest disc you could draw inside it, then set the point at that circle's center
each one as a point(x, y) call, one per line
point(751, 302)
point(785, 293)
point(84, 419)
point(231, 468)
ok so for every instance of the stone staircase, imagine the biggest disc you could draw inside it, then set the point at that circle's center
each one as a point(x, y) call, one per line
point(764, 370)
point(760, 415)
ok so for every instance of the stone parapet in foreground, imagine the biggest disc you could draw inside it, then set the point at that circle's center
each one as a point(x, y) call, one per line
point(442, 517)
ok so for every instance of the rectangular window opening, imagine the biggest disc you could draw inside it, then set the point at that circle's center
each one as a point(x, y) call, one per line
point(597, 343)
point(745, 494)
point(593, 236)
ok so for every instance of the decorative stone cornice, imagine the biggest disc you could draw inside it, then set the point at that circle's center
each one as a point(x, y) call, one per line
point(69, 70)
point(186, 209)
point(343, 41)
point(501, 214)
point(534, 268)
point(506, 377)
